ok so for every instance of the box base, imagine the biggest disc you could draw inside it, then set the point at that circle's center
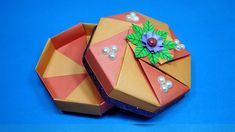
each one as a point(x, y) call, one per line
point(111, 100)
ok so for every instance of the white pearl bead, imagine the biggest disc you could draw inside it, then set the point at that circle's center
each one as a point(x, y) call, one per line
point(178, 47)
point(114, 48)
point(161, 79)
point(133, 14)
point(177, 41)
point(169, 84)
point(135, 19)
point(112, 56)
point(106, 50)
point(128, 17)
point(182, 46)
point(164, 88)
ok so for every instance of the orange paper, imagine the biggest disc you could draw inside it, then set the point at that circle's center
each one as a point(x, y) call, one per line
point(135, 81)
point(61, 70)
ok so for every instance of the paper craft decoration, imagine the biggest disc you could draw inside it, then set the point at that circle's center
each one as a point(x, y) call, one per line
point(148, 68)
point(61, 70)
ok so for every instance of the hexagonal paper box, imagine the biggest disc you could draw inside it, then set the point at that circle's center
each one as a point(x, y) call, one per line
point(137, 63)
point(61, 70)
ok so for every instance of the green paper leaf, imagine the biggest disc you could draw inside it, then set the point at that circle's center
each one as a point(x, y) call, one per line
point(162, 34)
point(153, 58)
point(138, 30)
point(148, 26)
point(165, 54)
point(135, 39)
point(141, 51)
point(169, 44)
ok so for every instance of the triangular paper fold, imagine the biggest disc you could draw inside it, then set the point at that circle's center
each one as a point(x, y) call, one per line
point(132, 83)
point(152, 75)
point(108, 28)
point(85, 92)
point(111, 68)
point(60, 65)
point(179, 69)
point(74, 49)
point(60, 87)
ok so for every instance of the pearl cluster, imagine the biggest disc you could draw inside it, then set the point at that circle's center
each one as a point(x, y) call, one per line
point(165, 84)
point(179, 45)
point(111, 52)
point(132, 17)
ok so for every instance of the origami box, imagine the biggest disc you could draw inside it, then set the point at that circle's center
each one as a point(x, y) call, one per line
point(137, 63)
point(61, 70)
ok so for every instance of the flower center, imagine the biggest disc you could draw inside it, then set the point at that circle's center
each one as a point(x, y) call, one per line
point(152, 42)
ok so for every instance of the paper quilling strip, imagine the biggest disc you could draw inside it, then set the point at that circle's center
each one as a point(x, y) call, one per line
point(150, 68)
point(61, 70)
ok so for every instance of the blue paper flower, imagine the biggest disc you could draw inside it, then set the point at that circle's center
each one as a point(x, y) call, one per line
point(152, 42)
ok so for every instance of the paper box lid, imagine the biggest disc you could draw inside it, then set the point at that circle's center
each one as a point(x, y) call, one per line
point(131, 82)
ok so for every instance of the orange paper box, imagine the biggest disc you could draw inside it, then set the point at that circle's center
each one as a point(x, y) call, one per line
point(61, 70)
point(131, 83)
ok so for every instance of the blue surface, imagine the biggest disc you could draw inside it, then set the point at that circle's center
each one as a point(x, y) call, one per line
point(205, 26)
